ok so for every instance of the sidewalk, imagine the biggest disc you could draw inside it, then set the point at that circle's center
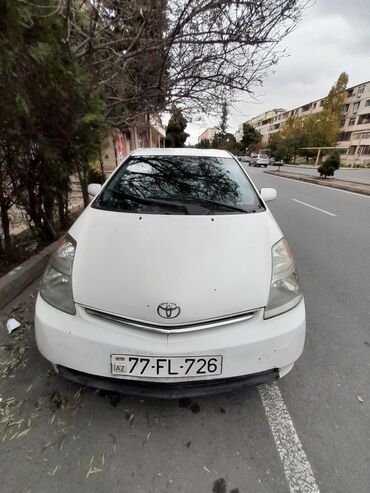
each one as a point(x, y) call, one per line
point(349, 186)
point(312, 166)
point(358, 175)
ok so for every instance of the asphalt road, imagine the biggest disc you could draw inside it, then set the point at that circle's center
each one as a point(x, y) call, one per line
point(88, 441)
point(360, 175)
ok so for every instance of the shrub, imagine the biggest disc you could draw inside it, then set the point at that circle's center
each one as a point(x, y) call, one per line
point(331, 164)
point(95, 173)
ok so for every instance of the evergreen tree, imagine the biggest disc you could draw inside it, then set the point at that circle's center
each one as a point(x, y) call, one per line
point(251, 136)
point(175, 132)
point(51, 116)
point(223, 120)
point(226, 142)
point(328, 167)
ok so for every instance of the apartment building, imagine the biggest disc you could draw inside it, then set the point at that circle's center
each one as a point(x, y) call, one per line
point(266, 123)
point(208, 134)
point(354, 138)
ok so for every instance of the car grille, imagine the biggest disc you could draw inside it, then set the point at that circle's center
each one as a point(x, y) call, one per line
point(168, 328)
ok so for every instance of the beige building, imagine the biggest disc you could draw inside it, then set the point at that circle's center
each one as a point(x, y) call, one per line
point(354, 138)
point(263, 123)
point(208, 134)
point(148, 131)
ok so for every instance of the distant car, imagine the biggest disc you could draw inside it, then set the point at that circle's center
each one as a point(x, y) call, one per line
point(260, 160)
point(245, 159)
point(272, 161)
point(278, 163)
point(175, 281)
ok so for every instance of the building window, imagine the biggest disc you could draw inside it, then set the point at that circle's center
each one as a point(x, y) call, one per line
point(367, 102)
point(352, 150)
point(364, 119)
point(345, 136)
point(360, 90)
point(351, 122)
point(360, 136)
point(345, 109)
point(355, 107)
point(349, 93)
point(364, 150)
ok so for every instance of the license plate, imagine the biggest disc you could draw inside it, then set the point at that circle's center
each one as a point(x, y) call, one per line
point(158, 366)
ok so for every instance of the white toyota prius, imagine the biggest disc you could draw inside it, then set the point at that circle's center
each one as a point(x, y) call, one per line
point(175, 281)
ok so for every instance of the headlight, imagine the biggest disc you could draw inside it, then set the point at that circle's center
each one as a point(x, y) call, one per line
point(56, 286)
point(285, 293)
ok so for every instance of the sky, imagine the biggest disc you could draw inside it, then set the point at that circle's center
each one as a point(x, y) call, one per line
point(333, 36)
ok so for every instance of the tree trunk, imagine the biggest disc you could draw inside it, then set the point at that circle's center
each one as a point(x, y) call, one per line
point(83, 185)
point(102, 165)
point(48, 230)
point(6, 226)
point(115, 150)
point(61, 211)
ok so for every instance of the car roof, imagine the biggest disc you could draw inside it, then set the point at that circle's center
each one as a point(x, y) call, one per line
point(180, 151)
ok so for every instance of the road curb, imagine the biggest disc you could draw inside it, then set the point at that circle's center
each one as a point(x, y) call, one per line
point(360, 188)
point(15, 281)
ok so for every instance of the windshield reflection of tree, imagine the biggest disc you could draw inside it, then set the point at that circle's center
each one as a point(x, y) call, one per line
point(181, 179)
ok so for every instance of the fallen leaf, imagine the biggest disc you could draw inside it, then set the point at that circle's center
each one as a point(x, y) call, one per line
point(56, 468)
point(360, 398)
point(93, 470)
point(147, 438)
point(23, 433)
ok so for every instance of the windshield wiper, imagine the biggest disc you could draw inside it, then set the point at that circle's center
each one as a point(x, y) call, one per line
point(153, 200)
point(219, 204)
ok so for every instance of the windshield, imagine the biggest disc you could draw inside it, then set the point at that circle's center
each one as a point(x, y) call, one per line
point(179, 185)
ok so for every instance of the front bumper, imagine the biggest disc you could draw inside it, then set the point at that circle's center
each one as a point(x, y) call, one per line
point(80, 347)
point(169, 390)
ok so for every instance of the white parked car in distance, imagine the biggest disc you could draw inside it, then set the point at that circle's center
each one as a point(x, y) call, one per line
point(175, 281)
point(260, 160)
point(245, 159)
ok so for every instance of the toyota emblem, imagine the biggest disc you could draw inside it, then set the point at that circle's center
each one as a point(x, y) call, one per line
point(168, 310)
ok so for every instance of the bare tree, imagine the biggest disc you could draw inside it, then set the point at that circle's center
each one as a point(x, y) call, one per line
point(150, 54)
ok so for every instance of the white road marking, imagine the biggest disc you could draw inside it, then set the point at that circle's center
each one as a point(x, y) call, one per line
point(297, 469)
point(313, 207)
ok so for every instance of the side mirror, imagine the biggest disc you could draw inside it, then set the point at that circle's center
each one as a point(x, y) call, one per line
point(268, 194)
point(93, 189)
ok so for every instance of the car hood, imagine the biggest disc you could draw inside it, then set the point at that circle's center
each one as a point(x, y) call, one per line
point(210, 266)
